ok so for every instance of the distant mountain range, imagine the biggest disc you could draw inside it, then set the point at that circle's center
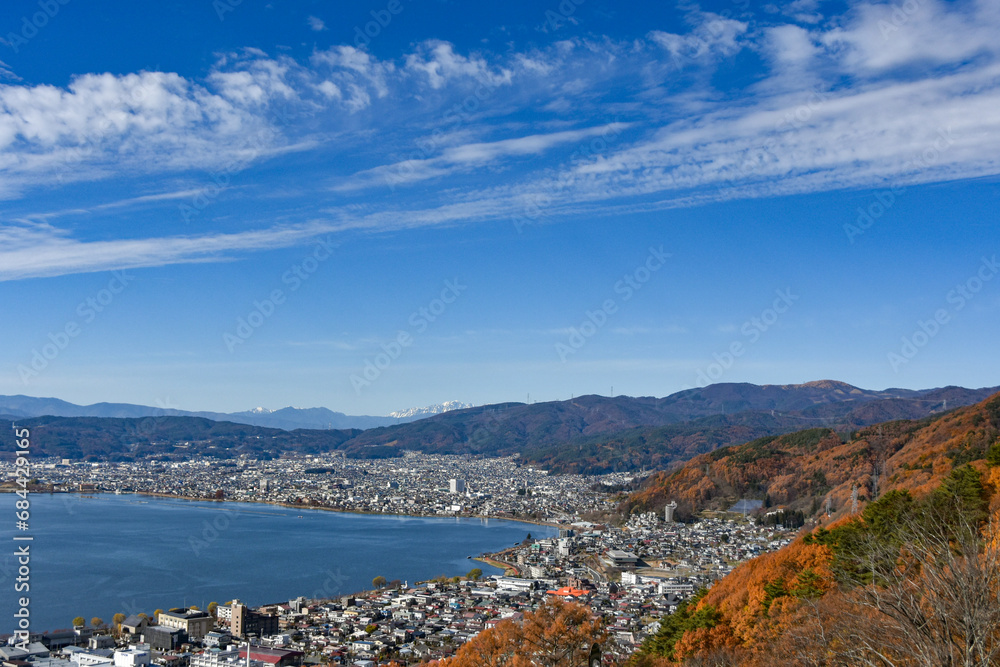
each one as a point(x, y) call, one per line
point(286, 418)
point(601, 434)
point(589, 434)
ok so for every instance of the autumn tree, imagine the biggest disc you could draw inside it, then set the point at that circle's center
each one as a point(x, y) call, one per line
point(79, 622)
point(939, 604)
point(557, 634)
point(97, 621)
point(475, 574)
point(378, 582)
point(920, 584)
point(118, 619)
point(212, 608)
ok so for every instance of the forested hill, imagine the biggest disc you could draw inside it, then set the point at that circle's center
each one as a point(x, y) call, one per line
point(165, 438)
point(594, 434)
point(808, 469)
point(910, 578)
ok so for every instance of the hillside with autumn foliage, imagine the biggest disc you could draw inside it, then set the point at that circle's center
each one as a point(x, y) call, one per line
point(819, 468)
point(911, 578)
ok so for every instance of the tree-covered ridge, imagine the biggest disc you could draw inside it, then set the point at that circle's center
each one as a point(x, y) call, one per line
point(820, 469)
point(910, 580)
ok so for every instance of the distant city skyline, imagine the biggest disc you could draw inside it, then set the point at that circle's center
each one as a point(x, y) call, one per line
point(377, 206)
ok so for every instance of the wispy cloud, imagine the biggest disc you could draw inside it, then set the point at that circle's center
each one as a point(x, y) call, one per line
point(469, 156)
point(32, 251)
point(862, 100)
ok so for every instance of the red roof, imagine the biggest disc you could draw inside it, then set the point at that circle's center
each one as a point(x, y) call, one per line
point(569, 592)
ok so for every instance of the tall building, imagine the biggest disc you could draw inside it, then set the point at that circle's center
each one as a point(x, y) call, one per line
point(668, 512)
point(246, 622)
point(457, 485)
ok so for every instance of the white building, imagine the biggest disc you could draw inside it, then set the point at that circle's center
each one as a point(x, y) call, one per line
point(456, 485)
point(132, 657)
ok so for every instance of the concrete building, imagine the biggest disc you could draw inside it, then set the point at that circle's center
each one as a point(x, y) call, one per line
point(668, 512)
point(196, 624)
point(132, 657)
point(622, 558)
point(163, 638)
point(246, 623)
point(456, 486)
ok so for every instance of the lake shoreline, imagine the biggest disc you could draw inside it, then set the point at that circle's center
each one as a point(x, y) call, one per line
point(534, 522)
point(195, 531)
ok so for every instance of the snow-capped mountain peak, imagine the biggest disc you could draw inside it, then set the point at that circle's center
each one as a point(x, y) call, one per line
point(437, 409)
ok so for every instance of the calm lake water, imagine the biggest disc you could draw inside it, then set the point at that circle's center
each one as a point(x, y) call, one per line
point(106, 554)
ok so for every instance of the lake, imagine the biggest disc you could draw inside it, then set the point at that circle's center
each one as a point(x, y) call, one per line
point(95, 556)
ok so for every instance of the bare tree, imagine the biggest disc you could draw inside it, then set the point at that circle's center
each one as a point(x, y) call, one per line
point(931, 597)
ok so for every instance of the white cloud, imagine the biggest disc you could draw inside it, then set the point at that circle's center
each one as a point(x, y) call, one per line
point(316, 24)
point(882, 36)
point(868, 99)
point(469, 155)
point(714, 36)
point(438, 61)
point(30, 251)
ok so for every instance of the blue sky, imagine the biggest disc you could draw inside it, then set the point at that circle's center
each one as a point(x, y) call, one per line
point(376, 205)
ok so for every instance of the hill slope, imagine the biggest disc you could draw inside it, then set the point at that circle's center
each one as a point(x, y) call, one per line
point(895, 578)
point(804, 469)
point(165, 438)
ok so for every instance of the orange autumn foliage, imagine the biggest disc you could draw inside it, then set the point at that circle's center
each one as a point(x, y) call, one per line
point(761, 616)
point(557, 634)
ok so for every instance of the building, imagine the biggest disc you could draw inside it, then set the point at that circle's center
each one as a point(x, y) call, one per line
point(218, 639)
point(246, 622)
point(195, 623)
point(132, 657)
point(622, 558)
point(213, 657)
point(273, 657)
point(668, 512)
point(134, 624)
point(456, 486)
point(162, 638)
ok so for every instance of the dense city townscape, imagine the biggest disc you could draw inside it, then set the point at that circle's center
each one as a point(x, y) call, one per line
point(630, 574)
